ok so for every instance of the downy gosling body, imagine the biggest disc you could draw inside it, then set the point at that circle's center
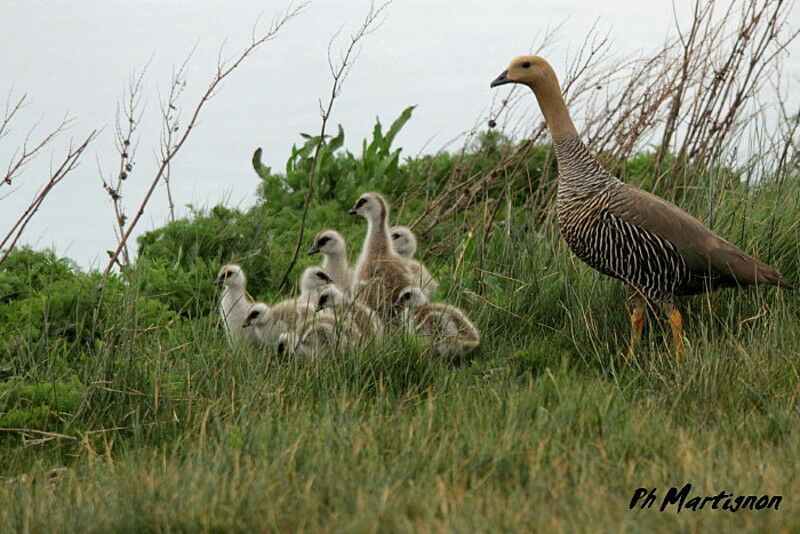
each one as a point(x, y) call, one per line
point(234, 303)
point(450, 331)
point(268, 323)
point(380, 273)
point(405, 244)
point(335, 301)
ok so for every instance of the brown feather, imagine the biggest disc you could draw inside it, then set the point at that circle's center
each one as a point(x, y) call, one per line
point(704, 251)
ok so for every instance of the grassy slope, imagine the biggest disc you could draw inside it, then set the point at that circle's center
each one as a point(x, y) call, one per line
point(546, 428)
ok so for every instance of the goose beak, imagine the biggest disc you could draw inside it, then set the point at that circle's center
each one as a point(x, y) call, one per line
point(500, 80)
point(313, 250)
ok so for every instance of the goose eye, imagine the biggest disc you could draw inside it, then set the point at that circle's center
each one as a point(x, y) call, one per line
point(323, 276)
point(361, 202)
point(253, 315)
point(526, 64)
point(322, 241)
point(395, 236)
point(323, 299)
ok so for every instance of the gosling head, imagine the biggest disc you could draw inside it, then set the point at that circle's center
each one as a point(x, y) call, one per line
point(411, 298)
point(287, 343)
point(314, 279)
point(403, 241)
point(231, 275)
point(328, 242)
point(532, 71)
point(371, 206)
point(330, 297)
point(257, 315)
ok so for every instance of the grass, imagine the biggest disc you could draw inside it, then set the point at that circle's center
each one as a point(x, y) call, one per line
point(546, 428)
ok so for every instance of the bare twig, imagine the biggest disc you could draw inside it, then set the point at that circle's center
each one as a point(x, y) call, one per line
point(28, 151)
point(67, 165)
point(169, 152)
point(339, 72)
point(51, 435)
point(127, 122)
point(9, 112)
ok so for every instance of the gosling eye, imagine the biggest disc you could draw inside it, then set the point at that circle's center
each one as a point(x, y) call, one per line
point(526, 64)
point(323, 276)
point(252, 316)
point(323, 299)
point(361, 202)
point(395, 236)
point(322, 241)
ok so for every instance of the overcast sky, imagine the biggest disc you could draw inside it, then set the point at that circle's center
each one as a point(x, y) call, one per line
point(75, 57)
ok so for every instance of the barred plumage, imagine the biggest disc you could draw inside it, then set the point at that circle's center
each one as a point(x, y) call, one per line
point(657, 249)
point(607, 243)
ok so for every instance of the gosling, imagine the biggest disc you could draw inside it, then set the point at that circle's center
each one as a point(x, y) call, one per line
point(332, 246)
point(380, 274)
point(321, 333)
point(234, 303)
point(268, 323)
point(405, 244)
point(449, 330)
point(332, 298)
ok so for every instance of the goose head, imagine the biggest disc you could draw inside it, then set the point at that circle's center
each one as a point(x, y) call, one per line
point(411, 298)
point(328, 242)
point(532, 71)
point(403, 241)
point(231, 276)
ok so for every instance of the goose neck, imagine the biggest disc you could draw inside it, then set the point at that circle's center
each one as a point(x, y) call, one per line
point(554, 109)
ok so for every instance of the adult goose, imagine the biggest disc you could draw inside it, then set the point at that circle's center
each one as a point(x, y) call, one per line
point(656, 248)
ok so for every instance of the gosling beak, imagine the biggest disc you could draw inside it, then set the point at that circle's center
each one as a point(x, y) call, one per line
point(500, 80)
point(352, 211)
point(217, 282)
point(319, 308)
point(245, 324)
point(313, 250)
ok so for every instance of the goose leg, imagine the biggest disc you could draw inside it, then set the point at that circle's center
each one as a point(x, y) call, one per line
point(676, 323)
point(638, 306)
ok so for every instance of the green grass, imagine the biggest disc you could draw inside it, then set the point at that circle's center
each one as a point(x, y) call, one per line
point(547, 427)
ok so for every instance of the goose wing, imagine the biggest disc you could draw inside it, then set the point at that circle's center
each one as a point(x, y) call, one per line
point(704, 251)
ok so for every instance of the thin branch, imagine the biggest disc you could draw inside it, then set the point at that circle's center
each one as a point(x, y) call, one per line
point(27, 153)
point(67, 165)
point(9, 112)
